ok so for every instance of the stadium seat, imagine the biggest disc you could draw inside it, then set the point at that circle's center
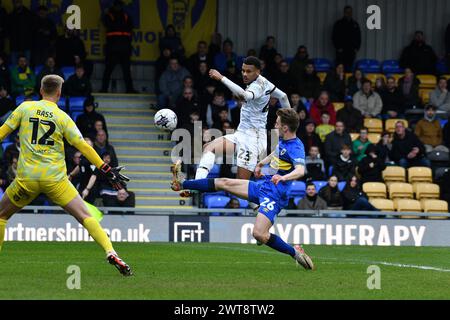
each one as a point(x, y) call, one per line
point(5, 145)
point(348, 75)
point(391, 66)
point(408, 205)
point(320, 184)
point(322, 65)
point(427, 81)
point(383, 204)
point(435, 206)
point(297, 200)
point(242, 203)
point(426, 191)
point(374, 137)
point(375, 190)
point(67, 71)
point(338, 106)
point(216, 201)
point(38, 69)
point(390, 124)
point(322, 76)
point(74, 115)
point(443, 122)
point(20, 99)
point(401, 190)
point(76, 103)
point(438, 158)
point(341, 185)
point(297, 189)
point(354, 136)
point(330, 170)
point(440, 172)
point(62, 103)
point(441, 67)
point(396, 76)
point(419, 174)
point(424, 95)
point(374, 76)
point(232, 104)
point(374, 125)
point(394, 174)
point(368, 65)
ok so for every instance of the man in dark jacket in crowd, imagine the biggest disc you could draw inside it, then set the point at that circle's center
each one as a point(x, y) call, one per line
point(200, 56)
point(268, 53)
point(352, 117)
point(312, 201)
point(185, 106)
point(44, 36)
point(6, 104)
point(419, 56)
point(102, 146)
point(407, 150)
point(298, 64)
point(308, 84)
point(78, 85)
point(86, 121)
point(393, 102)
point(20, 29)
point(334, 142)
point(70, 51)
point(346, 39)
point(310, 137)
point(119, 27)
point(371, 167)
point(283, 78)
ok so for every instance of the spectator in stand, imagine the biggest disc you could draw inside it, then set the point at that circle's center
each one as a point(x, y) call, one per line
point(227, 54)
point(308, 84)
point(321, 105)
point(312, 201)
point(360, 145)
point(101, 146)
point(11, 151)
point(185, 106)
point(355, 82)
point(444, 187)
point(310, 137)
point(3, 27)
point(23, 80)
point(78, 85)
point(86, 121)
point(346, 39)
point(335, 83)
point(345, 165)
point(172, 41)
point(440, 97)
point(407, 150)
point(70, 51)
point(219, 103)
point(201, 78)
point(429, 131)
point(215, 45)
point(392, 99)
point(188, 82)
point(303, 117)
point(171, 84)
point(354, 198)
point(73, 169)
point(268, 53)
point(49, 68)
point(272, 115)
point(7, 105)
point(315, 167)
point(298, 64)
point(236, 114)
point(234, 75)
point(296, 102)
point(5, 77)
point(160, 66)
point(201, 56)
point(368, 101)
point(283, 79)
point(11, 173)
point(380, 84)
point(352, 117)
point(371, 167)
point(419, 56)
point(44, 37)
point(20, 31)
point(334, 143)
point(324, 128)
point(125, 199)
point(384, 147)
point(409, 88)
point(331, 194)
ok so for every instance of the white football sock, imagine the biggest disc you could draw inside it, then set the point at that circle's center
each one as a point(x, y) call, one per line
point(205, 165)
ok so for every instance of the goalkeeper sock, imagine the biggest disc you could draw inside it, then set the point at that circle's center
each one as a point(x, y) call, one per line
point(98, 234)
point(2, 231)
point(205, 165)
point(203, 185)
point(275, 242)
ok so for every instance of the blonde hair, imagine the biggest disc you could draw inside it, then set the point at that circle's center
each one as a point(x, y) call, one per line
point(51, 83)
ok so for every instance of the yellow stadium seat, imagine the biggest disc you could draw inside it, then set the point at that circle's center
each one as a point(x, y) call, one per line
point(419, 174)
point(408, 205)
point(383, 204)
point(348, 75)
point(426, 191)
point(394, 174)
point(322, 76)
point(427, 81)
point(374, 125)
point(338, 106)
point(401, 190)
point(354, 136)
point(424, 94)
point(435, 206)
point(374, 76)
point(390, 124)
point(374, 137)
point(375, 190)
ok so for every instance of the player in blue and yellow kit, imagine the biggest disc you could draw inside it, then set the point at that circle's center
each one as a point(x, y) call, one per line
point(42, 168)
point(287, 163)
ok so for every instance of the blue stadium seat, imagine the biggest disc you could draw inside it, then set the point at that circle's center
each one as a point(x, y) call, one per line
point(62, 103)
point(38, 69)
point(320, 184)
point(231, 104)
point(74, 115)
point(341, 185)
point(330, 171)
point(307, 105)
point(215, 172)
point(21, 98)
point(441, 67)
point(322, 65)
point(368, 65)
point(67, 71)
point(239, 62)
point(242, 203)
point(289, 59)
point(5, 145)
point(297, 200)
point(297, 189)
point(216, 201)
point(218, 193)
point(76, 103)
point(391, 66)
point(443, 122)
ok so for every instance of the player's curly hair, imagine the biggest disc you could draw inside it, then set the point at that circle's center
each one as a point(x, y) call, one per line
point(289, 117)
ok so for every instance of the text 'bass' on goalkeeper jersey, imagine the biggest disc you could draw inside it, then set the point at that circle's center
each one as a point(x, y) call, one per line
point(42, 129)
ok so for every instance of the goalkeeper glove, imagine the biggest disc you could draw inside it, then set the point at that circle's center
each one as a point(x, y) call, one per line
point(114, 176)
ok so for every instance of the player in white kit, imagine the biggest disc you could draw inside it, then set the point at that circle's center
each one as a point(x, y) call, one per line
point(250, 139)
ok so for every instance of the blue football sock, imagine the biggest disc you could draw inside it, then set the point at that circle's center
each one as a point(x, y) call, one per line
point(203, 185)
point(275, 242)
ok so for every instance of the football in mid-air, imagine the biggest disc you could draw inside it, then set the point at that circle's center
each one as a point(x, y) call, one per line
point(166, 119)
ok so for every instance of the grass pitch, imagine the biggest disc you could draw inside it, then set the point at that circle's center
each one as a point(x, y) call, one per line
point(222, 271)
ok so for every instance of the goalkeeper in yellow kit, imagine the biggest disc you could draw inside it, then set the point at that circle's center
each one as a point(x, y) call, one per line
point(42, 167)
